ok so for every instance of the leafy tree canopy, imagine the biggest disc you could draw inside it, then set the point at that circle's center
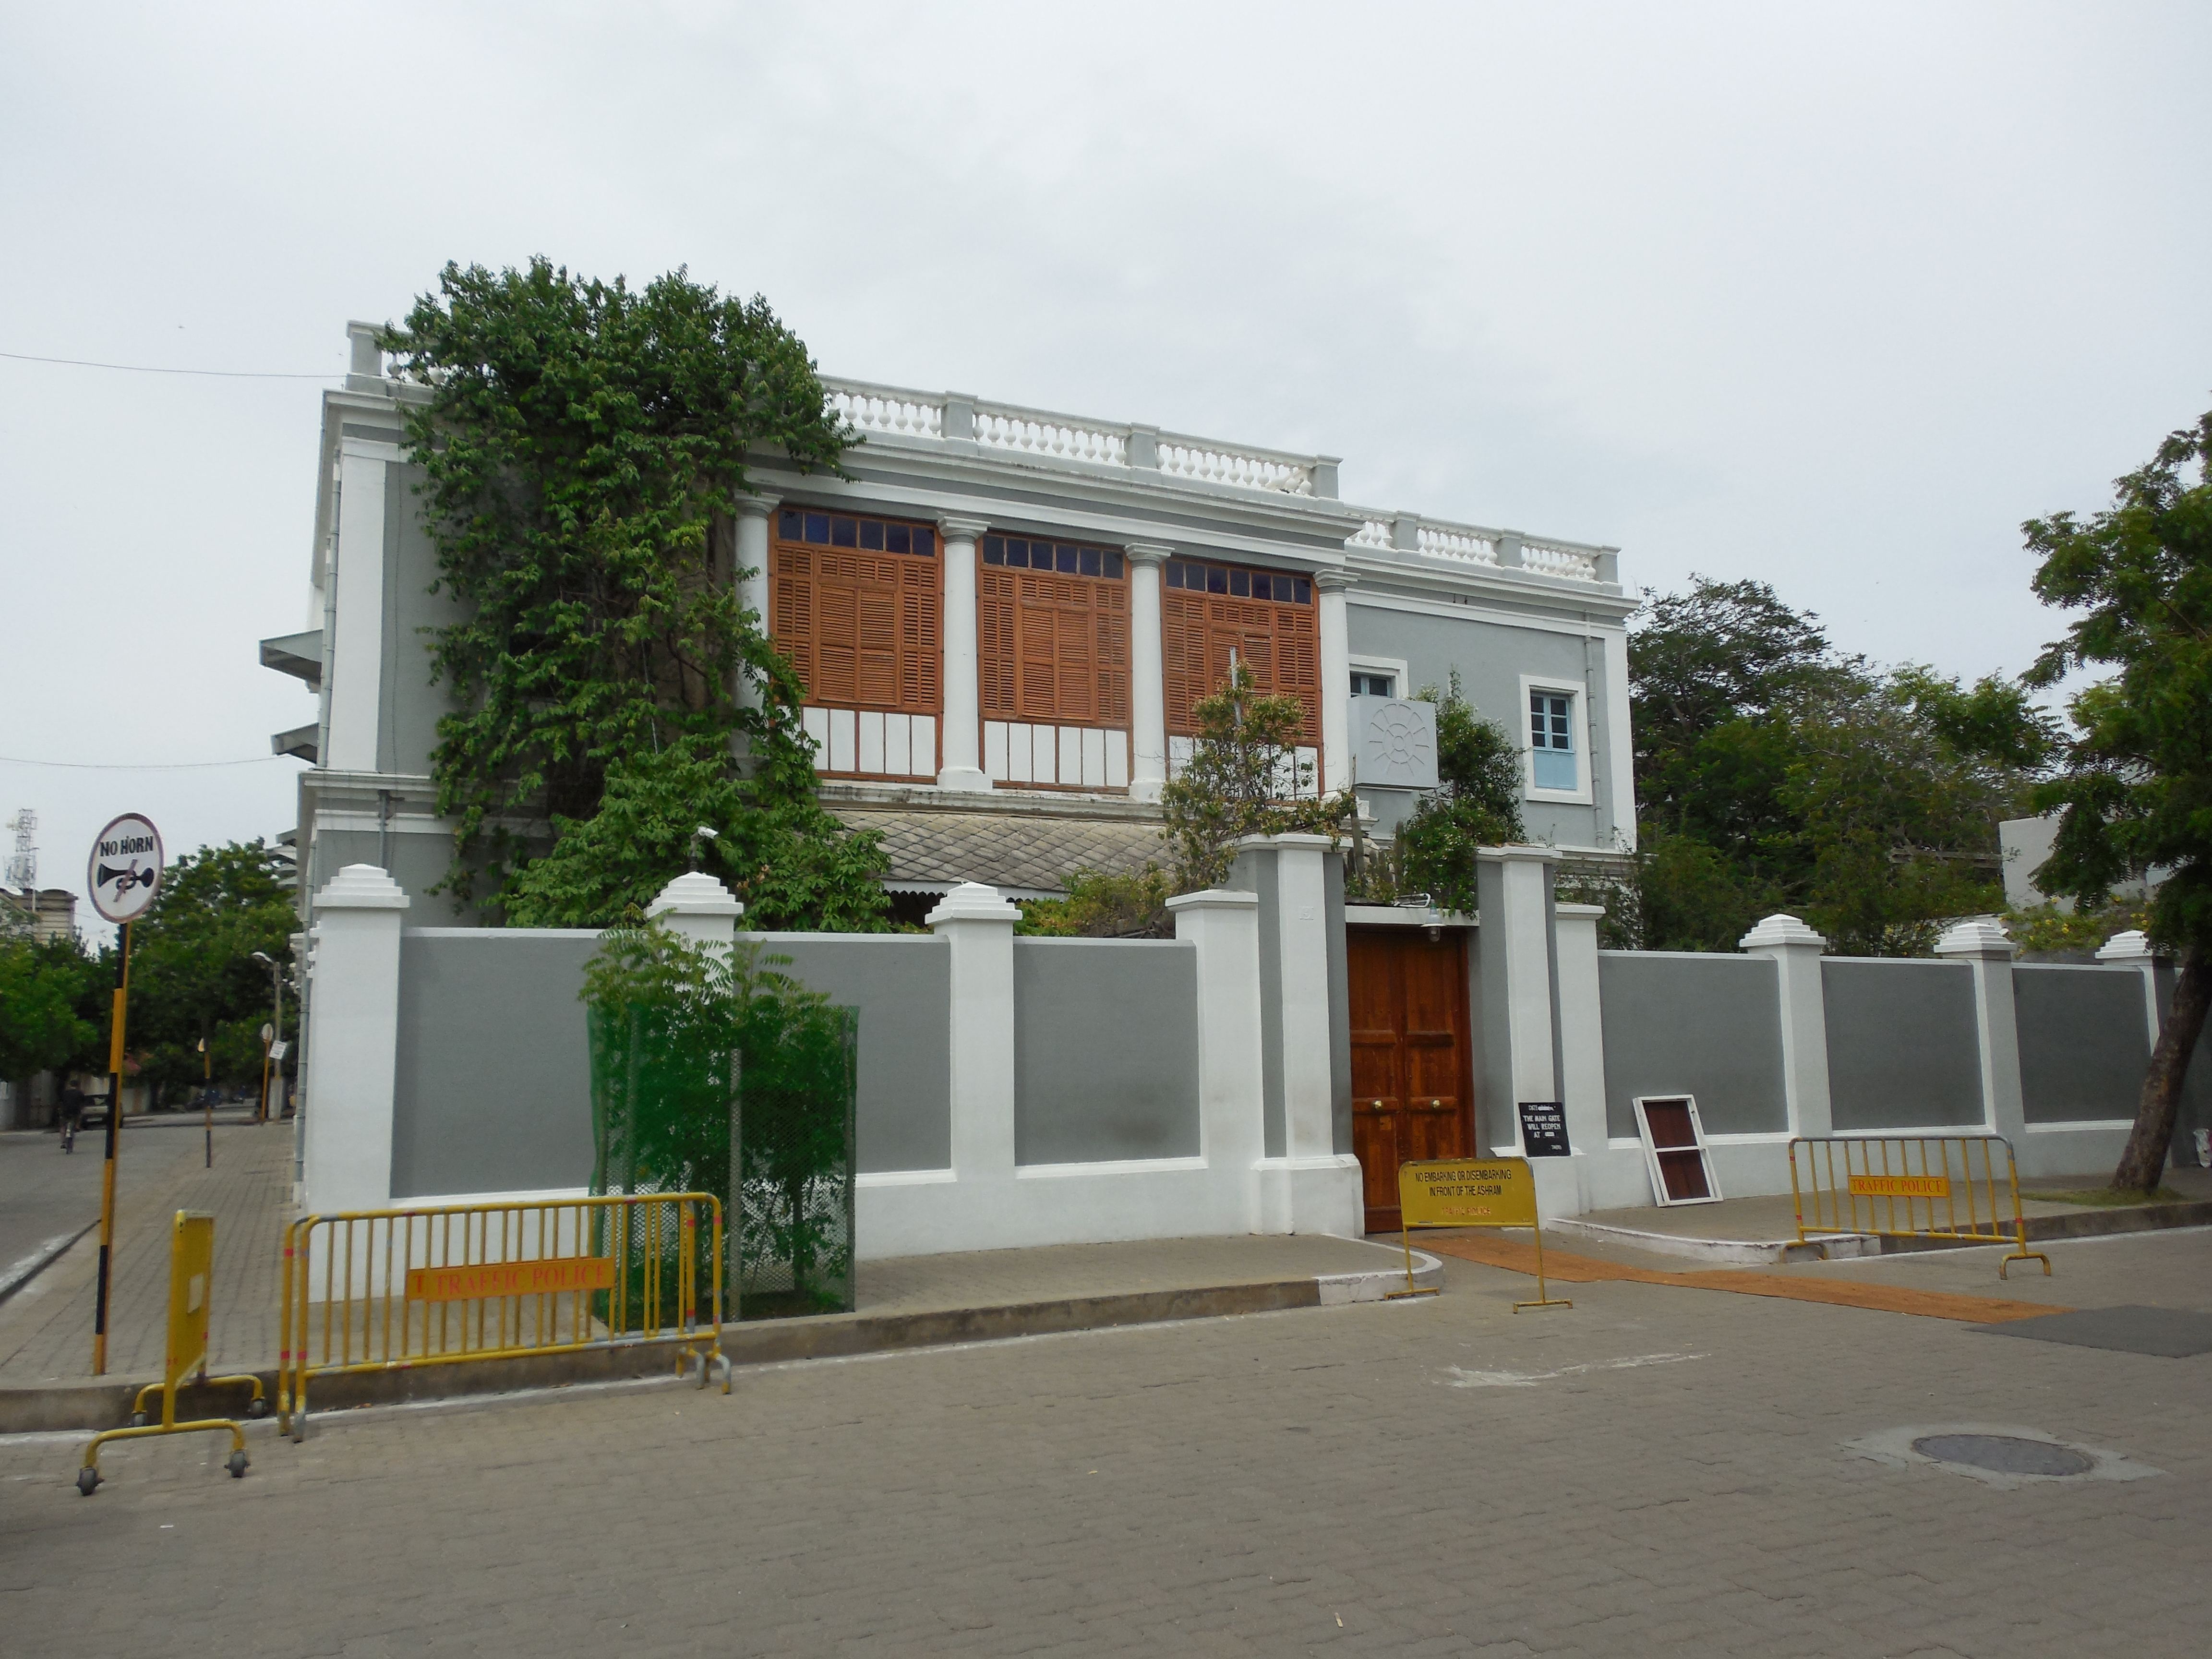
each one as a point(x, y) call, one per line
point(1776, 773)
point(583, 446)
point(44, 989)
point(1243, 778)
point(193, 973)
point(1476, 804)
point(2135, 793)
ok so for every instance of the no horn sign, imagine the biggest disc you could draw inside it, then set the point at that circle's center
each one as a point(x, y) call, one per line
point(125, 871)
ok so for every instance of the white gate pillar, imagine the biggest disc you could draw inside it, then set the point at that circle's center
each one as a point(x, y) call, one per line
point(1225, 926)
point(701, 910)
point(978, 925)
point(1795, 951)
point(1982, 944)
point(353, 1042)
point(1582, 1037)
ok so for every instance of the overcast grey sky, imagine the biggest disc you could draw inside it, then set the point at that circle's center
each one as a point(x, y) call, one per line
point(1832, 297)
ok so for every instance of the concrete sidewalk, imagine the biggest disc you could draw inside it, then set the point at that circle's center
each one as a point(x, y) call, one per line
point(1764, 1229)
point(45, 1330)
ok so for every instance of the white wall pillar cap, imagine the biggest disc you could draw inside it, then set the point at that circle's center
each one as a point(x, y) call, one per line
point(757, 506)
point(1334, 581)
point(1517, 854)
point(1148, 552)
point(1215, 898)
point(974, 900)
point(1977, 936)
point(957, 529)
point(2134, 946)
point(1288, 838)
point(696, 893)
point(1781, 930)
point(362, 887)
point(1567, 912)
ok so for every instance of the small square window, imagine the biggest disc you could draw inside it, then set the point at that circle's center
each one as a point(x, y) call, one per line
point(1304, 592)
point(1217, 580)
point(1065, 555)
point(872, 535)
point(1087, 561)
point(818, 528)
point(994, 549)
point(788, 526)
point(1174, 573)
point(1114, 567)
point(925, 542)
point(1240, 584)
point(897, 538)
point(1017, 553)
point(843, 532)
point(1372, 686)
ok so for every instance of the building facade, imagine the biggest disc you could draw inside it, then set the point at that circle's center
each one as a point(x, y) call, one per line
point(1005, 614)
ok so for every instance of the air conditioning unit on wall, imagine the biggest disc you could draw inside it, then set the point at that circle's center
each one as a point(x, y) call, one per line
point(1394, 742)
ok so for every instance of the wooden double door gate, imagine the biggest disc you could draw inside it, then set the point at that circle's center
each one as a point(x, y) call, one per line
point(1412, 1059)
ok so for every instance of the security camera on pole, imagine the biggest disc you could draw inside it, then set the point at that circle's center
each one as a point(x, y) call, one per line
point(123, 877)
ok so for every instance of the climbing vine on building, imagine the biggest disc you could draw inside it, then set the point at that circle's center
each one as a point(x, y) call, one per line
point(581, 445)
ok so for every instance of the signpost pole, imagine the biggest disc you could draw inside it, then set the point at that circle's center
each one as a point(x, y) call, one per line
point(206, 1097)
point(267, 1032)
point(108, 1172)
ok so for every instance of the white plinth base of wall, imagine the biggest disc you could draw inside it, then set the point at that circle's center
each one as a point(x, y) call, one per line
point(2067, 1149)
point(929, 1211)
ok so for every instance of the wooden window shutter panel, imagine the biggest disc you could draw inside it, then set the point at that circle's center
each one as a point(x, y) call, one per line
point(994, 642)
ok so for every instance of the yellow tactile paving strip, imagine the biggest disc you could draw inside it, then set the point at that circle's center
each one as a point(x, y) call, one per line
point(1520, 1258)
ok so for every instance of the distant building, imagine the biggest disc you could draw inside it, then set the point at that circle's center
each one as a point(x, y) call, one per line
point(45, 913)
point(1004, 619)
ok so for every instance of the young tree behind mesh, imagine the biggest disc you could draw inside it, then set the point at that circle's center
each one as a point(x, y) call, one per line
point(1243, 778)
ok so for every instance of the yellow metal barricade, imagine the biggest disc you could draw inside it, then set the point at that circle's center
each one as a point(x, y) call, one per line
point(385, 1290)
point(1937, 1186)
point(1470, 1192)
point(192, 1270)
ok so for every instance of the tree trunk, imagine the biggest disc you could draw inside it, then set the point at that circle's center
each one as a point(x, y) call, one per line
point(2144, 1162)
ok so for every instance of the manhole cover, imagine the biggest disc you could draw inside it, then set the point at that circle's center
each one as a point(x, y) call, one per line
point(2004, 1454)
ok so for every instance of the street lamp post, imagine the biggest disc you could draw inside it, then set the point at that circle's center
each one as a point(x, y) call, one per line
point(276, 1034)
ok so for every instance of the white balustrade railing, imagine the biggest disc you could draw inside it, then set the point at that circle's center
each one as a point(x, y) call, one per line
point(887, 409)
point(1551, 560)
point(1062, 437)
point(1249, 469)
point(1373, 532)
point(1458, 541)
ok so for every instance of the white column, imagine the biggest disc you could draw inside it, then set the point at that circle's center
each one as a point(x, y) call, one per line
point(1225, 926)
point(979, 928)
point(1795, 951)
point(753, 515)
point(1148, 692)
point(964, 727)
point(701, 908)
point(353, 1041)
point(1982, 944)
point(1581, 1037)
point(1335, 682)
point(353, 653)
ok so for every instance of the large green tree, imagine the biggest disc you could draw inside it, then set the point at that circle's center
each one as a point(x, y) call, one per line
point(1476, 803)
point(193, 973)
point(1244, 777)
point(583, 448)
point(45, 988)
point(1777, 773)
point(2136, 791)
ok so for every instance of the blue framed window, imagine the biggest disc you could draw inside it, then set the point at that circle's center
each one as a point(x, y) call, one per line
point(1552, 740)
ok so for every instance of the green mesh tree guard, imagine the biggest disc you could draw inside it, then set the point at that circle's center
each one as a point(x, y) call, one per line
point(705, 1066)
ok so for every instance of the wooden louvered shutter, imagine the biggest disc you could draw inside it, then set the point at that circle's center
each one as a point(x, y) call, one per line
point(1183, 646)
point(921, 644)
point(792, 604)
point(995, 607)
point(1298, 661)
point(1113, 653)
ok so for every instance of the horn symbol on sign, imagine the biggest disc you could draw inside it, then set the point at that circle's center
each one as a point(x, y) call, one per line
point(124, 880)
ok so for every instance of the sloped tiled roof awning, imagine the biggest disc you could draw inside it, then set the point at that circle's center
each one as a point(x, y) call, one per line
point(1010, 851)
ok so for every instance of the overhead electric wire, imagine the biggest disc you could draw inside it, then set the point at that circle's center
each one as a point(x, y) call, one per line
point(142, 368)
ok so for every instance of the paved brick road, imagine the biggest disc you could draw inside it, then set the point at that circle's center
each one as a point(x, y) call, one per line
point(1657, 1471)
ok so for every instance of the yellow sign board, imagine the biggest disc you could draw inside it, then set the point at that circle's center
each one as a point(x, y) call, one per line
point(1900, 1186)
point(547, 1277)
point(1495, 1192)
point(192, 1258)
point(1470, 1192)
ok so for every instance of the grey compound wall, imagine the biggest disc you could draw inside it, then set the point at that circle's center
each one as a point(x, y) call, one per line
point(2084, 1041)
point(1105, 1050)
point(493, 1091)
point(1683, 1023)
point(1904, 1047)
